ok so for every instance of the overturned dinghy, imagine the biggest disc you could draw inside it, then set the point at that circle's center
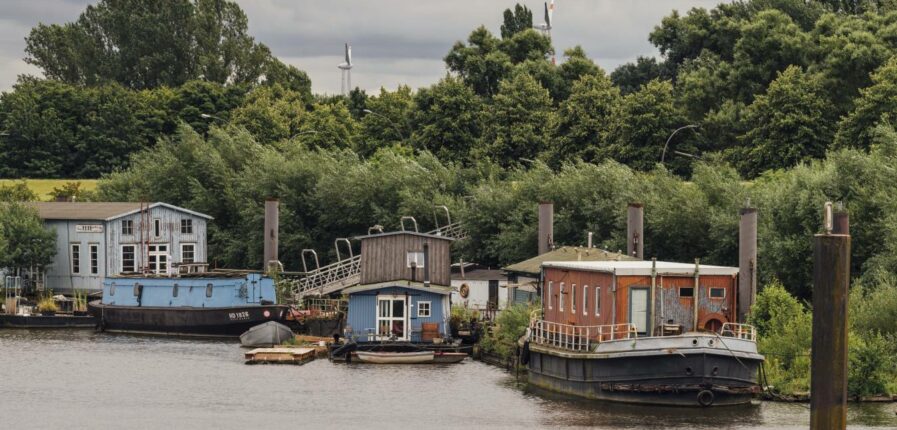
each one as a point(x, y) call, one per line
point(267, 334)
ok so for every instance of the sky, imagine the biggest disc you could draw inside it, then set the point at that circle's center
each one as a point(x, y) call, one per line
point(393, 41)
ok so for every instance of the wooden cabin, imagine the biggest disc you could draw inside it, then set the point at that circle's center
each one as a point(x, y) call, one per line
point(597, 293)
point(405, 288)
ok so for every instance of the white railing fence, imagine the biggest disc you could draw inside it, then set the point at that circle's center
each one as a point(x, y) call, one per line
point(578, 338)
point(740, 331)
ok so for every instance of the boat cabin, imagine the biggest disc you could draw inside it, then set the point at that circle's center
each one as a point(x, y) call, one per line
point(210, 291)
point(405, 289)
point(605, 293)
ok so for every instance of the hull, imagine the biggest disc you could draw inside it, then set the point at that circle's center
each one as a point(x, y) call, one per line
point(41, 321)
point(266, 334)
point(449, 357)
point(420, 357)
point(185, 321)
point(657, 371)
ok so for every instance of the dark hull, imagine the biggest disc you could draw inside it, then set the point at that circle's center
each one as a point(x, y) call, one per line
point(219, 322)
point(45, 321)
point(661, 379)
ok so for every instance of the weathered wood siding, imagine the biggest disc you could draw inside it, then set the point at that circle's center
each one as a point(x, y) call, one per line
point(384, 258)
point(170, 235)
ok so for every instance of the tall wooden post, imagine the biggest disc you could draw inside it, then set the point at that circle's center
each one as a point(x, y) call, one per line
point(272, 223)
point(747, 262)
point(635, 230)
point(546, 227)
point(828, 379)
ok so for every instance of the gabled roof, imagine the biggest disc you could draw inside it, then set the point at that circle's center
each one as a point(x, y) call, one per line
point(642, 268)
point(419, 286)
point(565, 253)
point(412, 233)
point(104, 211)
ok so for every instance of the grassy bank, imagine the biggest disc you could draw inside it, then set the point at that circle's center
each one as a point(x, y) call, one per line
point(43, 188)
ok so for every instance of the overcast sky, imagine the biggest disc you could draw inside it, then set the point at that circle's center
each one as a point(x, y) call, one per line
point(393, 41)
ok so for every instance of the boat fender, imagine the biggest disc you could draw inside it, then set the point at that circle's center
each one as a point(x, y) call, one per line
point(705, 397)
point(524, 354)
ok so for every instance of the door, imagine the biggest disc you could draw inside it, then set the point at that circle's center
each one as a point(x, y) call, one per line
point(493, 295)
point(157, 259)
point(392, 318)
point(638, 309)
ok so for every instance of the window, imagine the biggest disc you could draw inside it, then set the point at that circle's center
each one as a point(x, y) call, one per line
point(561, 298)
point(415, 259)
point(174, 290)
point(94, 258)
point(686, 292)
point(585, 299)
point(157, 227)
point(597, 301)
point(188, 252)
point(209, 290)
point(573, 298)
point(717, 293)
point(158, 258)
point(128, 261)
point(76, 258)
point(127, 227)
point(550, 299)
point(423, 309)
point(186, 226)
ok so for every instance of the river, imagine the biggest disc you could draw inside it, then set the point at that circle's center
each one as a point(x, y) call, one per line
point(81, 379)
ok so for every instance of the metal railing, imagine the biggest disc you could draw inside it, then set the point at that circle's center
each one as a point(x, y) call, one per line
point(578, 338)
point(453, 231)
point(740, 331)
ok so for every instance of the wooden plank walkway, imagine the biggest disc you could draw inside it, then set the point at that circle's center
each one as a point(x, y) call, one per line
point(280, 355)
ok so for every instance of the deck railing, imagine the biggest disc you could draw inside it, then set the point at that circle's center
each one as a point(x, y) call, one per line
point(740, 331)
point(578, 338)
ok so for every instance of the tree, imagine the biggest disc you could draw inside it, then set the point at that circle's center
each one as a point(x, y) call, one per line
point(583, 119)
point(769, 43)
point(630, 77)
point(447, 119)
point(328, 125)
point(479, 63)
point(270, 113)
point(24, 241)
point(789, 124)
point(877, 104)
point(387, 124)
point(520, 122)
point(517, 20)
point(16, 192)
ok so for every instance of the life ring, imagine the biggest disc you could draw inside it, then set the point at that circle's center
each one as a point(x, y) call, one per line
point(464, 291)
point(705, 398)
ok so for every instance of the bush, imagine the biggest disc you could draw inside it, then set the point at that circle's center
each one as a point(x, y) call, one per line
point(509, 326)
point(870, 364)
point(785, 336)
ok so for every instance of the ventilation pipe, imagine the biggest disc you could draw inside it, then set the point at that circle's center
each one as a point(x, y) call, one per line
point(426, 264)
point(635, 226)
point(841, 220)
point(272, 225)
point(747, 261)
point(546, 227)
point(589, 242)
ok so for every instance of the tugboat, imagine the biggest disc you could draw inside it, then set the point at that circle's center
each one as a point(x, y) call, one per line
point(220, 304)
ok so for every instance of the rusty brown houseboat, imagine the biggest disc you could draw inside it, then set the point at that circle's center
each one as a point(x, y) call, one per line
point(642, 332)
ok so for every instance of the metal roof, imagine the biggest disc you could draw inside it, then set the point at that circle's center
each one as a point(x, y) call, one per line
point(480, 275)
point(413, 233)
point(565, 253)
point(96, 210)
point(641, 267)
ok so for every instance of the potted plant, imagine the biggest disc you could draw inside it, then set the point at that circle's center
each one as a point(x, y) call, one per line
point(47, 306)
point(79, 307)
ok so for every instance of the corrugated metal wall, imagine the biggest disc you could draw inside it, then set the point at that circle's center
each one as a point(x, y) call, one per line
point(384, 259)
point(170, 235)
point(362, 317)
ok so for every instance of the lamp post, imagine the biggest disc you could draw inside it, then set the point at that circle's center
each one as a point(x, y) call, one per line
point(208, 116)
point(391, 122)
point(663, 155)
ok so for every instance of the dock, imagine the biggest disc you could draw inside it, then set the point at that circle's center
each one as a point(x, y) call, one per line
point(280, 355)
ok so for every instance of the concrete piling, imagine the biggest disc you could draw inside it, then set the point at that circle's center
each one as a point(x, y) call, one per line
point(546, 227)
point(635, 226)
point(747, 262)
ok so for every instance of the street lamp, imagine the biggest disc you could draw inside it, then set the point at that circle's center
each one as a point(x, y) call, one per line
point(391, 122)
point(663, 155)
point(207, 116)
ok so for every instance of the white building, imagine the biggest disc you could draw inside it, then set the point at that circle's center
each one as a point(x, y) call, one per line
point(478, 287)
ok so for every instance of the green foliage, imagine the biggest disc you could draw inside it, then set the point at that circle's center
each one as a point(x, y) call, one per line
point(785, 329)
point(509, 326)
point(515, 21)
point(582, 120)
point(871, 364)
point(73, 192)
point(24, 242)
point(270, 113)
point(521, 120)
point(17, 192)
point(47, 304)
point(876, 105)
point(386, 125)
point(448, 120)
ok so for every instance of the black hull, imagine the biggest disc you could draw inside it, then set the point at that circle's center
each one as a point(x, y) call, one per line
point(217, 322)
point(667, 379)
point(46, 321)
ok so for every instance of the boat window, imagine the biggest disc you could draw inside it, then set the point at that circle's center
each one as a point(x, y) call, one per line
point(686, 292)
point(585, 299)
point(174, 290)
point(550, 299)
point(423, 309)
point(209, 290)
point(717, 293)
point(573, 298)
point(561, 298)
point(597, 301)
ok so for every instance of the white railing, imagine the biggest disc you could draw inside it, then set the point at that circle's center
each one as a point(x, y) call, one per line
point(316, 280)
point(578, 338)
point(453, 231)
point(740, 331)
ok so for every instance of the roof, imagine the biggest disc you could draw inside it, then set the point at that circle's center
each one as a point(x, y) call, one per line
point(479, 275)
point(412, 233)
point(97, 210)
point(419, 286)
point(565, 253)
point(642, 268)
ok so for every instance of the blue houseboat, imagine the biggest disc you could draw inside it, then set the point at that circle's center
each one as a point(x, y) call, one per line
point(404, 294)
point(200, 304)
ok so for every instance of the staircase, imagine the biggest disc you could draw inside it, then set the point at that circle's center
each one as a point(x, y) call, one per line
point(347, 272)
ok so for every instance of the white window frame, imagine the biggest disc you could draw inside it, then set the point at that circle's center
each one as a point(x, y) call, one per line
point(121, 263)
point(710, 293)
point(414, 256)
point(561, 298)
point(75, 266)
point(157, 227)
point(405, 318)
point(188, 223)
point(158, 253)
point(597, 301)
point(193, 259)
point(420, 309)
point(550, 299)
point(572, 298)
point(130, 227)
point(585, 299)
point(93, 258)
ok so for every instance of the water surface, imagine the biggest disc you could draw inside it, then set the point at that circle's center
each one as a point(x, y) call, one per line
point(80, 379)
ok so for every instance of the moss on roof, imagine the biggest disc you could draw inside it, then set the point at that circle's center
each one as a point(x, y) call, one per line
point(564, 253)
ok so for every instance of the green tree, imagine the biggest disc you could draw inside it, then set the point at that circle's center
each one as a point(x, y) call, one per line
point(388, 123)
point(583, 119)
point(328, 126)
point(16, 192)
point(630, 77)
point(791, 123)
point(521, 118)
point(877, 104)
point(448, 119)
point(24, 241)
point(270, 113)
point(769, 43)
point(479, 63)
point(515, 21)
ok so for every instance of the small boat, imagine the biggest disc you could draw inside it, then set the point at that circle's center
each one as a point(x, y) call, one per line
point(266, 334)
point(415, 357)
point(448, 357)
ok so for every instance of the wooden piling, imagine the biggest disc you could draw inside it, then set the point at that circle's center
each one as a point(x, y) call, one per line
point(272, 222)
point(635, 230)
point(828, 379)
point(546, 227)
point(747, 262)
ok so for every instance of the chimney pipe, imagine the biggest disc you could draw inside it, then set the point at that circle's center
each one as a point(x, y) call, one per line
point(426, 264)
point(635, 230)
point(272, 225)
point(841, 221)
point(546, 227)
point(747, 261)
point(589, 243)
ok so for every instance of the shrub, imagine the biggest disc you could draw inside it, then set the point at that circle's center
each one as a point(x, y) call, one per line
point(509, 326)
point(870, 364)
point(785, 336)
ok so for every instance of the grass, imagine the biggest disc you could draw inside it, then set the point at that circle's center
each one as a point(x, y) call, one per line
point(43, 187)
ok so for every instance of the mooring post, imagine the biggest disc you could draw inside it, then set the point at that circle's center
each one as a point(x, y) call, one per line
point(828, 377)
point(546, 227)
point(272, 224)
point(747, 261)
point(635, 230)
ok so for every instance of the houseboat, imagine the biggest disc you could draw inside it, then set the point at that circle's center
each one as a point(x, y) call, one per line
point(222, 304)
point(642, 332)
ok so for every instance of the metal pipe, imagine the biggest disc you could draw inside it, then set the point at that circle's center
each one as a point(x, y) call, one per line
point(546, 227)
point(747, 262)
point(272, 227)
point(589, 242)
point(635, 225)
point(841, 221)
point(696, 296)
point(653, 295)
point(426, 264)
point(613, 289)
